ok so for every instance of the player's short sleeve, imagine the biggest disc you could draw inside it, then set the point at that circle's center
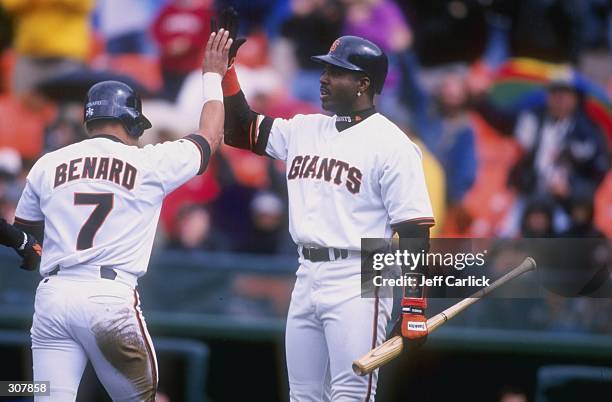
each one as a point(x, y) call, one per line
point(28, 207)
point(403, 187)
point(175, 162)
point(279, 135)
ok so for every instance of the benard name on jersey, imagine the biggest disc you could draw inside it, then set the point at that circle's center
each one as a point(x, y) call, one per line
point(110, 169)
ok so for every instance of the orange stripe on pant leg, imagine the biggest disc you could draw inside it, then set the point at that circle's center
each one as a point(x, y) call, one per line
point(374, 336)
point(148, 346)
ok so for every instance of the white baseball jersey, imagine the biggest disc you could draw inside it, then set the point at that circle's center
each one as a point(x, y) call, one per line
point(100, 199)
point(349, 184)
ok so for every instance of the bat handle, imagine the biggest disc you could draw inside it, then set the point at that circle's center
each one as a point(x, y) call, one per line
point(379, 356)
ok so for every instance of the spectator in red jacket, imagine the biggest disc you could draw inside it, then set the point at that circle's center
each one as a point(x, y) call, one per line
point(180, 30)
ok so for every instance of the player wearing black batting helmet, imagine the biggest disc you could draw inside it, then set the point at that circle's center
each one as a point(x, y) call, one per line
point(358, 54)
point(95, 204)
point(116, 100)
point(350, 175)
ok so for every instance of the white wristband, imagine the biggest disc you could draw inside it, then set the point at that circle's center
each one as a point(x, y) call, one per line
point(211, 87)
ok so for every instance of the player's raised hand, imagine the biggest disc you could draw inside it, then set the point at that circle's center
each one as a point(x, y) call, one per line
point(216, 53)
point(229, 20)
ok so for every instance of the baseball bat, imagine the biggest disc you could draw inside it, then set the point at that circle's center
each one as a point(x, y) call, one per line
point(392, 347)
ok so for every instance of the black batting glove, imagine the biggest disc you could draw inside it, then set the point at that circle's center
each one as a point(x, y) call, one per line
point(229, 20)
point(30, 252)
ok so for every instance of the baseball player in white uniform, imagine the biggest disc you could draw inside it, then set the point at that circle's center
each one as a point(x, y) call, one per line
point(352, 175)
point(99, 202)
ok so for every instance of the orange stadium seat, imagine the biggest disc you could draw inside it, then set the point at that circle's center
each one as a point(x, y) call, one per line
point(603, 206)
point(489, 198)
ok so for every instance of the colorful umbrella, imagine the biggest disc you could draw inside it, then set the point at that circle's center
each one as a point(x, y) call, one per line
point(521, 83)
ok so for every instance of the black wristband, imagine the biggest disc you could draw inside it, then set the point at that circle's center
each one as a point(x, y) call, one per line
point(10, 236)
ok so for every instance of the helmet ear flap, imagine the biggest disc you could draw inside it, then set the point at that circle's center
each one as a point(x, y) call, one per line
point(132, 122)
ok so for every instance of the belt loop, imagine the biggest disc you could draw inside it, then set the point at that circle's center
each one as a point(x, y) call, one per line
point(332, 254)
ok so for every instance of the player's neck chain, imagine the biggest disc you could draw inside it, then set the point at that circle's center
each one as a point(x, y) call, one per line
point(345, 121)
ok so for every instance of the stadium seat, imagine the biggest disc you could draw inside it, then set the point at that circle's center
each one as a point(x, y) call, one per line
point(603, 206)
point(489, 198)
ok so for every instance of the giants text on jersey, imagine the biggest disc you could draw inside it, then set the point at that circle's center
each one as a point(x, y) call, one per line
point(350, 184)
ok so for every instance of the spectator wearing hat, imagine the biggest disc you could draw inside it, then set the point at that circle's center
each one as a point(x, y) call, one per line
point(268, 225)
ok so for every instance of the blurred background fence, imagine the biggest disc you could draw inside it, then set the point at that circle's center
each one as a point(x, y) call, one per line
point(217, 321)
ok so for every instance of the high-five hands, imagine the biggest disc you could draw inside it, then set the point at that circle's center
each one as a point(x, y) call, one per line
point(216, 53)
point(229, 20)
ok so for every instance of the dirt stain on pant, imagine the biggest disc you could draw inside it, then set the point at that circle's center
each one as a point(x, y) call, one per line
point(122, 344)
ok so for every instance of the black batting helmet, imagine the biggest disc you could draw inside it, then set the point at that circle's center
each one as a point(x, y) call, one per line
point(116, 100)
point(357, 54)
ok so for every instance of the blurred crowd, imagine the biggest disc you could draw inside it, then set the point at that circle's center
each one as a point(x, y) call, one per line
point(509, 101)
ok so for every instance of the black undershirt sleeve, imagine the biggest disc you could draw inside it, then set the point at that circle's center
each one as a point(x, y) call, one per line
point(414, 238)
point(265, 127)
point(242, 128)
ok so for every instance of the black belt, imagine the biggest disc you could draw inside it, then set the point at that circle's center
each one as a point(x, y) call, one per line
point(105, 272)
point(320, 254)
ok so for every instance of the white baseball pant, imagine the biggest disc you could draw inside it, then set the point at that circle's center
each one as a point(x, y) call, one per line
point(80, 316)
point(328, 326)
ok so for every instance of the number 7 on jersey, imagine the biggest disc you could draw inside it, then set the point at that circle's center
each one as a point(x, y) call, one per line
point(104, 204)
